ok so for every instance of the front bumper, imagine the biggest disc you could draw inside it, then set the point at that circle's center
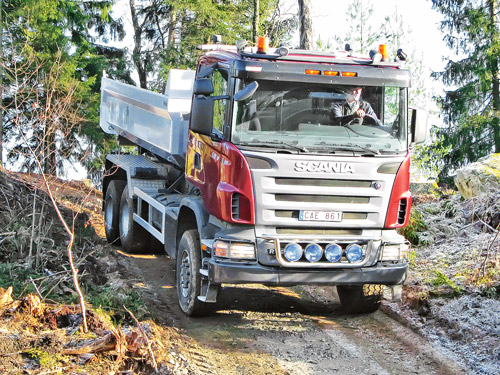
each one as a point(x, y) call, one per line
point(237, 273)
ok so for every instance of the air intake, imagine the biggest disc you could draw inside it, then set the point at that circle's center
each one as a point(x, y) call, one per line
point(235, 206)
point(403, 203)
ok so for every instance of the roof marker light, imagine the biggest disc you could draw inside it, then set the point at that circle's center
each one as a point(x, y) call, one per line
point(313, 71)
point(349, 74)
point(382, 49)
point(262, 44)
point(330, 73)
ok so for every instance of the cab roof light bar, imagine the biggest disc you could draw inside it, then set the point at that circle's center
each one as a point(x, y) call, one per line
point(263, 51)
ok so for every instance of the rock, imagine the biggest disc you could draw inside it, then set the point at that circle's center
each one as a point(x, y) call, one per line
point(480, 177)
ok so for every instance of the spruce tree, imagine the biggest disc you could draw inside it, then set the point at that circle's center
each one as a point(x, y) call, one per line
point(470, 107)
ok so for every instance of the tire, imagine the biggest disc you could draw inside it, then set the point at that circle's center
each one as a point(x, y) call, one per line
point(133, 237)
point(360, 299)
point(188, 277)
point(112, 211)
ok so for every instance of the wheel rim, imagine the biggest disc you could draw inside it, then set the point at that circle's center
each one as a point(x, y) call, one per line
point(108, 214)
point(124, 220)
point(185, 275)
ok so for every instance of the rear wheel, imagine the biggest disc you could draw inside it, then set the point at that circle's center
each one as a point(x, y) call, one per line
point(112, 211)
point(133, 237)
point(188, 277)
point(360, 299)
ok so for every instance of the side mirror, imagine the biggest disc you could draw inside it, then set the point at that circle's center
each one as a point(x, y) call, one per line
point(202, 113)
point(419, 125)
point(246, 92)
point(203, 86)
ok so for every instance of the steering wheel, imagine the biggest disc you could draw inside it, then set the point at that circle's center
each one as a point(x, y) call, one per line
point(367, 120)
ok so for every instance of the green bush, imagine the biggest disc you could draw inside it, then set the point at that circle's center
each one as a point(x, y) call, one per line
point(415, 228)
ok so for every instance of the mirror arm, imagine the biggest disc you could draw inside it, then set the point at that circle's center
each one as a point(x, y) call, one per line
point(220, 97)
point(216, 137)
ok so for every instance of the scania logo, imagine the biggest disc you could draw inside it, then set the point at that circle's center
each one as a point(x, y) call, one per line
point(323, 166)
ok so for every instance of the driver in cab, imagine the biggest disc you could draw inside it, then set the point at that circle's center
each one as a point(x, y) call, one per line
point(354, 110)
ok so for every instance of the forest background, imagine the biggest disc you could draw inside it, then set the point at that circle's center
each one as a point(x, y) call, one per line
point(53, 54)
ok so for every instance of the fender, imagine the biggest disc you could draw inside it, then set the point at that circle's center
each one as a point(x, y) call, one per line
point(190, 214)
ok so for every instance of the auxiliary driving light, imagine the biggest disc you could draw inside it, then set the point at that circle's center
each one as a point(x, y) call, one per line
point(313, 252)
point(354, 253)
point(333, 252)
point(293, 252)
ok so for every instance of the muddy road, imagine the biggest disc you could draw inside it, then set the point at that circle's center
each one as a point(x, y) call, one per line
point(273, 330)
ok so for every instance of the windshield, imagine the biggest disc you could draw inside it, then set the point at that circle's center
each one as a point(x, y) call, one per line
point(322, 118)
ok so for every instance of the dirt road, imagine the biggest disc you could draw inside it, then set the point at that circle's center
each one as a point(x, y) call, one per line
point(262, 330)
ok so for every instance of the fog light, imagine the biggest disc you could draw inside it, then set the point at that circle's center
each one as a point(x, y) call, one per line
point(293, 252)
point(333, 252)
point(235, 250)
point(354, 253)
point(313, 252)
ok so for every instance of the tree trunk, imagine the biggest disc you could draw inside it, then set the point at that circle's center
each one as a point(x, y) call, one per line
point(255, 26)
point(136, 54)
point(306, 35)
point(171, 28)
point(495, 89)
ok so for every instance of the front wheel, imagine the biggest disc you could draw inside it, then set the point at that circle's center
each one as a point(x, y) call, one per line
point(188, 277)
point(360, 299)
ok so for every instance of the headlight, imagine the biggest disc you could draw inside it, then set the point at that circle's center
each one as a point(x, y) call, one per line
point(313, 252)
point(354, 253)
point(395, 252)
point(293, 252)
point(235, 250)
point(333, 252)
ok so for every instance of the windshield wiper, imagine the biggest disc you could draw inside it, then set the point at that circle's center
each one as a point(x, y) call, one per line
point(347, 147)
point(274, 144)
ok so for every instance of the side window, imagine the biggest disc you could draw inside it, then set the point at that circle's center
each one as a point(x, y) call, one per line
point(391, 105)
point(220, 88)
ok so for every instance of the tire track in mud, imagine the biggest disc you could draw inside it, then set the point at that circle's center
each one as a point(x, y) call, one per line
point(297, 331)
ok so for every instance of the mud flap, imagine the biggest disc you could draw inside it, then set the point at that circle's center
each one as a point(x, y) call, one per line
point(208, 290)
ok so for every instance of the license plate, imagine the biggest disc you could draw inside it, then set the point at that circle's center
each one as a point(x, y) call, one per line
point(320, 215)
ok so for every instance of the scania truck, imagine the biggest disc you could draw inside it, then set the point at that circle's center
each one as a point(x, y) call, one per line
point(243, 171)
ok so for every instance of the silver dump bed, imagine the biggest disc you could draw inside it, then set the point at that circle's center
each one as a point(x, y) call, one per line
point(151, 120)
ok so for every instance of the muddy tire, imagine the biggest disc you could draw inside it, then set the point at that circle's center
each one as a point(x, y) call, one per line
point(112, 211)
point(360, 299)
point(133, 237)
point(188, 277)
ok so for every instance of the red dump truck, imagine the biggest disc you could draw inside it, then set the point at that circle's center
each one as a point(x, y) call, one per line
point(278, 166)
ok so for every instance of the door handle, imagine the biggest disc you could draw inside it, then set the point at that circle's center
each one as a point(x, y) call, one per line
point(197, 161)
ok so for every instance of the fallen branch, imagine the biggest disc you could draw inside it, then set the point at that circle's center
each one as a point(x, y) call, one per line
point(148, 342)
point(101, 344)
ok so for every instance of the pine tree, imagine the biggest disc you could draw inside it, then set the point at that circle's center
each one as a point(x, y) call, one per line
point(471, 107)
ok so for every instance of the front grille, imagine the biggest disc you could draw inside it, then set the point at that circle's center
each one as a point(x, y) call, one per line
point(321, 199)
point(319, 231)
point(322, 182)
point(283, 194)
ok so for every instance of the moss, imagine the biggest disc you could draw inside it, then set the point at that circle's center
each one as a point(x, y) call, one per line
point(46, 360)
